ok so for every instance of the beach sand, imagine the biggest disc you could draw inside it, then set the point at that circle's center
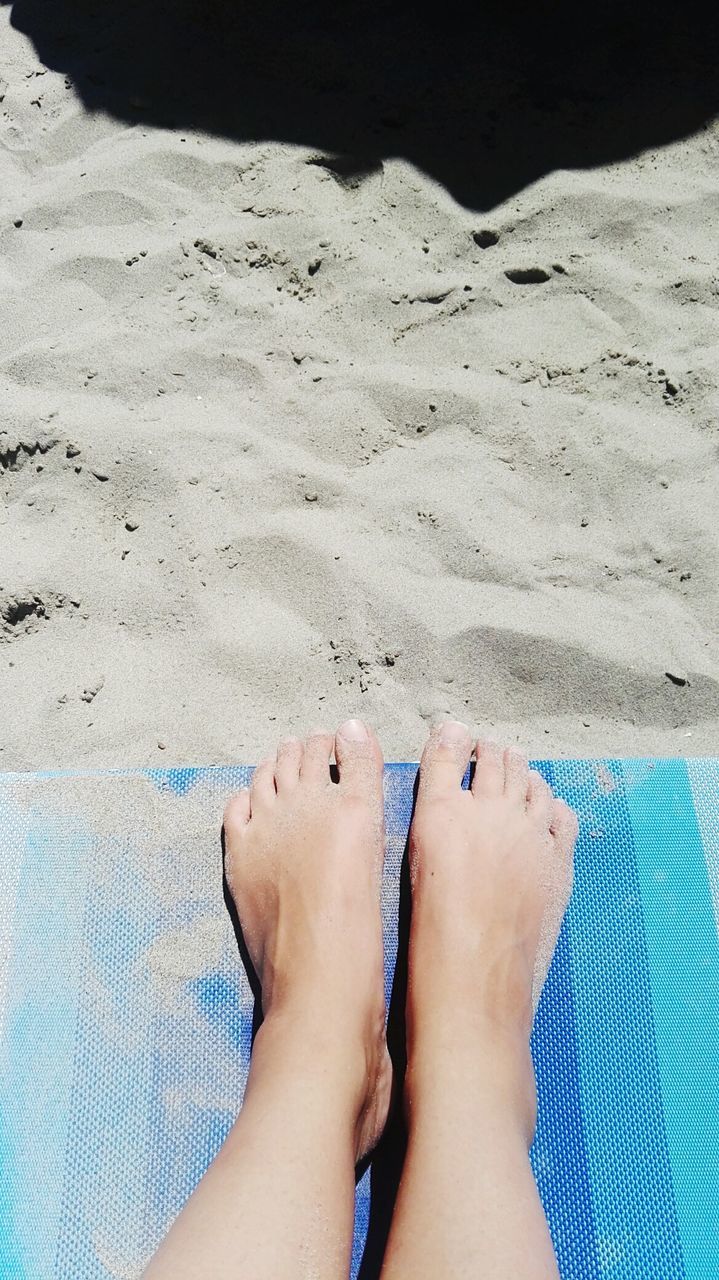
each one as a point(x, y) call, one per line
point(283, 442)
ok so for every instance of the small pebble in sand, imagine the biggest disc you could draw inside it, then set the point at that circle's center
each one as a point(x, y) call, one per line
point(314, 266)
point(677, 676)
point(99, 474)
point(584, 522)
point(17, 222)
point(162, 746)
point(92, 690)
point(485, 238)
point(71, 451)
point(131, 524)
point(311, 497)
point(527, 275)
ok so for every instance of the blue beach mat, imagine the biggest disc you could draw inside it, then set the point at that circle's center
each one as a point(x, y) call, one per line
point(125, 1017)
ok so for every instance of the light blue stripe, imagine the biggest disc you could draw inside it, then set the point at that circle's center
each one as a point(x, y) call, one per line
point(13, 836)
point(38, 1050)
point(683, 952)
point(704, 780)
point(11, 1264)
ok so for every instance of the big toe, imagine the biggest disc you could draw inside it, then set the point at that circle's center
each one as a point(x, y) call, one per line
point(359, 758)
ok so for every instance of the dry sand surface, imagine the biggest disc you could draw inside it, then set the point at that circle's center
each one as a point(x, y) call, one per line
point(285, 439)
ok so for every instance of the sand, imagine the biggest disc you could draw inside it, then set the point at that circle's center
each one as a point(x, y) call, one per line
point(286, 438)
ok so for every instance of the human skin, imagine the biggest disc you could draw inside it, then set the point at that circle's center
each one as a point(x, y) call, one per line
point(491, 875)
point(491, 872)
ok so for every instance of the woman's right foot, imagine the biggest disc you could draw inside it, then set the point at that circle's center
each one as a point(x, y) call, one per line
point(491, 873)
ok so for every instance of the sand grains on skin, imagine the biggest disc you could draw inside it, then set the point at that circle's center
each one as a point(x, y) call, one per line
point(492, 864)
point(303, 860)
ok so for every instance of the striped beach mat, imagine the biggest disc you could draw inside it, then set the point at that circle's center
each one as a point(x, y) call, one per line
point(126, 1018)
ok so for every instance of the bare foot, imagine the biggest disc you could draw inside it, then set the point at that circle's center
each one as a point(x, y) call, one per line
point(491, 876)
point(303, 860)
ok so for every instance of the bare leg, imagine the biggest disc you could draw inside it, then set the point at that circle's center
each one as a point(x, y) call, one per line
point(491, 877)
point(304, 863)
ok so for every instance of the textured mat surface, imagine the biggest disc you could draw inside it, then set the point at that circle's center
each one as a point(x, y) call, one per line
point(125, 1018)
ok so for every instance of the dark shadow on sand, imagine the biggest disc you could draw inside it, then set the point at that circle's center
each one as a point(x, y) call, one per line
point(485, 98)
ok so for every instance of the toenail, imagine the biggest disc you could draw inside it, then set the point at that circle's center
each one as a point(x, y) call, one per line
point(452, 732)
point(353, 731)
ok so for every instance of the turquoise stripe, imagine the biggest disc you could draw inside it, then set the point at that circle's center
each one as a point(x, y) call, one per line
point(683, 952)
point(636, 1231)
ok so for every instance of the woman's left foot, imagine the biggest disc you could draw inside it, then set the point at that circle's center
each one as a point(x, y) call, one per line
point(303, 861)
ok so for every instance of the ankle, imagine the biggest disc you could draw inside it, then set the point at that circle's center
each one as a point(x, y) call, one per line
point(303, 1039)
point(332, 1074)
point(481, 1073)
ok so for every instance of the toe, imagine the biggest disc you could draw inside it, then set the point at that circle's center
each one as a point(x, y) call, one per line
point(488, 778)
point(445, 758)
point(287, 766)
point(540, 799)
point(359, 758)
point(316, 756)
point(516, 775)
point(564, 825)
point(237, 813)
point(262, 786)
